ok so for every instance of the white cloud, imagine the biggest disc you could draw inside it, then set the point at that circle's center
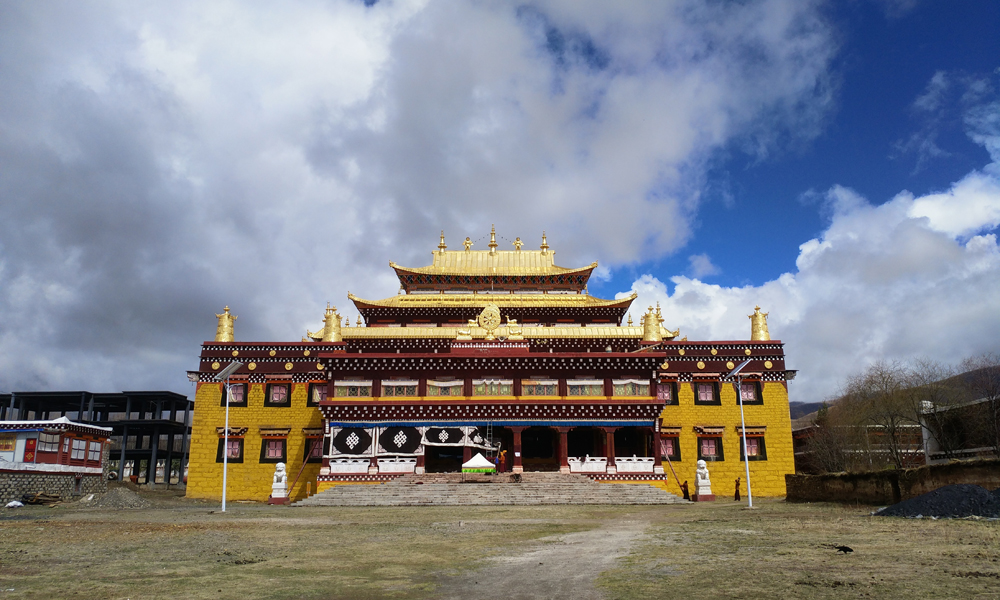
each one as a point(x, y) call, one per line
point(701, 266)
point(911, 278)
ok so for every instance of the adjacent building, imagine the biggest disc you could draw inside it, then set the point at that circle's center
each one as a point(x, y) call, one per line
point(485, 351)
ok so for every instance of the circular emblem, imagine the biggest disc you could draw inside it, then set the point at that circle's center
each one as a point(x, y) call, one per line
point(730, 365)
point(665, 365)
point(320, 366)
point(681, 352)
point(768, 364)
point(306, 353)
point(288, 366)
point(216, 366)
point(272, 352)
point(701, 365)
point(236, 352)
point(252, 366)
point(747, 352)
point(714, 351)
point(489, 319)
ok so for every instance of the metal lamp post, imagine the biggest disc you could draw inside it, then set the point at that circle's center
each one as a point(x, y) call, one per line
point(223, 376)
point(739, 399)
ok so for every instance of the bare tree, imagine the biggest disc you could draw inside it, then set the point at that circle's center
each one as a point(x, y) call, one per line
point(982, 380)
point(886, 412)
point(932, 390)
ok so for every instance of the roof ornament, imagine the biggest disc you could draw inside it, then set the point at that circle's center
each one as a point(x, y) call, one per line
point(545, 244)
point(331, 327)
point(224, 332)
point(359, 321)
point(517, 244)
point(442, 246)
point(468, 244)
point(630, 319)
point(489, 320)
point(651, 327)
point(758, 325)
point(493, 239)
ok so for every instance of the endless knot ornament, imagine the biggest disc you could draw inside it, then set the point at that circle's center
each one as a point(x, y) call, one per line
point(443, 436)
point(478, 439)
point(400, 439)
point(352, 440)
point(489, 320)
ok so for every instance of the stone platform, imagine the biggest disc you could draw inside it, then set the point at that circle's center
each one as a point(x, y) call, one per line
point(452, 489)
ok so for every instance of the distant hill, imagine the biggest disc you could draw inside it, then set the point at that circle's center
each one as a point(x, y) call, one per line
point(801, 409)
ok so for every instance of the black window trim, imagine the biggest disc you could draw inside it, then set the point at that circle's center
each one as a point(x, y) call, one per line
point(221, 449)
point(720, 455)
point(263, 450)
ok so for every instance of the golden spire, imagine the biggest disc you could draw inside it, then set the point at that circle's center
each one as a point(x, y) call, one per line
point(630, 319)
point(468, 243)
point(331, 327)
point(545, 244)
point(758, 326)
point(659, 315)
point(224, 332)
point(347, 321)
point(651, 327)
point(493, 239)
point(517, 244)
point(442, 246)
point(359, 320)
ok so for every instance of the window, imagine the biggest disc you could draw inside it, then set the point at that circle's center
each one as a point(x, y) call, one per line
point(317, 394)
point(66, 445)
point(670, 447)
point(234, 452)
point(707, 393)
point(79, 449)
point(48, 442)
point(539, 387)
point(313, 451)
point(95, 451)
point(755, 447)
point(397, 388)
point(492, 387)
point(352, 389)
point(710, 449)
point(750, 393)
point(667, 393)
point(631, 387)
point(445, 388)
point(277, 395)
point(585, 387)
point(272, 450)
point(238, 395)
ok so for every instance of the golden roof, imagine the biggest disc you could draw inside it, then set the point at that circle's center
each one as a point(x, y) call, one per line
point(499, 262)
point(501, 300)
point(479, 333)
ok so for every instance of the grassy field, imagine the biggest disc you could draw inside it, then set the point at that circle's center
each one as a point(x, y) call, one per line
point(186, 549)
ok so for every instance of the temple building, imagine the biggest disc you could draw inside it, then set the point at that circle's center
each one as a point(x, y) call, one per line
point(481, 352)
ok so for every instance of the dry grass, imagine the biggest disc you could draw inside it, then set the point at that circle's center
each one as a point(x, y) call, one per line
point(180, 548)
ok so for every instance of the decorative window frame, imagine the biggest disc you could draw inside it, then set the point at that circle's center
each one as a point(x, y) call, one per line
point(343, 388)
point(313, 435)
point(236, 434)
point(78, 450)
point(46, 443)
point(536, 385)
point(269, 436)
point(754, 432)
point(674, 441)
point(93, 448)
point(488, 382)
point(585, 387)
point(435, 387)
point(758, 396)
point(270, 387)
point(400, 388)
point(719, 455)
point(671, 387)
point(316, 388)
point(624, 384)
point(716, 398)
point(243, 387)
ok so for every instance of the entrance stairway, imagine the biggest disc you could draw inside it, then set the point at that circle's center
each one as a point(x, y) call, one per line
point(449, 489)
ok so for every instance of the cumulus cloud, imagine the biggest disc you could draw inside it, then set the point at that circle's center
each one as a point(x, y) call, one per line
point(701, 266)
point(907, 279)
point(160, 161)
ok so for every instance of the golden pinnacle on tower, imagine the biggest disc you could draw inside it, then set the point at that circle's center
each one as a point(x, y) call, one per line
point(758, 326)
point(224, 331)
point(493, 239)
point(442, 246)
point(630, 319)
point(359, 320)
point(545, 244)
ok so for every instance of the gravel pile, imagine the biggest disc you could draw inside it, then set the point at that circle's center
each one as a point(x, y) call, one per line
point(120, 498)
point(955, 501)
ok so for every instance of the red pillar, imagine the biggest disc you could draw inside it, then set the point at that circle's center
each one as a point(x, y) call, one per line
point(420, 468)
point(563, 449)
point(610, 447)
point(466, 454)
point(657, 459)
point(518, 467)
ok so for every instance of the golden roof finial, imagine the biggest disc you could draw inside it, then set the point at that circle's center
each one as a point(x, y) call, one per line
point(359, 320)
point(545, 244)
point(442, 246)
point(517, 244)
point(224, 331)
point(468, 243)
point(630, 319)
point(493, 239)
point(758, 325)
point(659, 315)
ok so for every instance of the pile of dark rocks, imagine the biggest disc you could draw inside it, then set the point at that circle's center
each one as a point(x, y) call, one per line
point(120, 498)
point(951, 501)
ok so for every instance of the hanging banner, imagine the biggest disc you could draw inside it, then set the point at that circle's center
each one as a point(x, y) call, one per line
point(400, 440)
point(351, 441)
point(29, 449)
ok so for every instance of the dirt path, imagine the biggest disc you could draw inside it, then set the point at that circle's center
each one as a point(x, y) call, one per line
point(564, 566)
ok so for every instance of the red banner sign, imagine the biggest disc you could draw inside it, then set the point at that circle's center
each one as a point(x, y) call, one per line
point(29, 449)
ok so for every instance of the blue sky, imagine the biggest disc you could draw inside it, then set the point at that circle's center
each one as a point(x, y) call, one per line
point(837, 163)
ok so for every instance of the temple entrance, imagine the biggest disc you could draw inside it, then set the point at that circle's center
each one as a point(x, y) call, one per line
point(584, 441)
point(505, 437)
point(443, 459)
point(633, 441)
point(540, 449)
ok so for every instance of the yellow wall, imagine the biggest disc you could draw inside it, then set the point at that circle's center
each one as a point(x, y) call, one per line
point(249, 480)
point(767, 477)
